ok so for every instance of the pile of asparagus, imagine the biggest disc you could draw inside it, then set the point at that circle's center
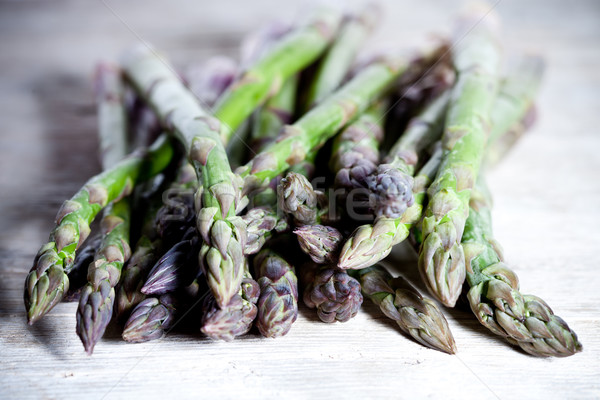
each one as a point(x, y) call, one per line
point(297, 170)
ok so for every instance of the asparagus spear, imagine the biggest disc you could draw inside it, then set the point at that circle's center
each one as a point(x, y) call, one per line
point(371, 243)
point(175, 216)
point(278, 301)
point(494, 293)
point(335, 294)
point(263, 220)
point(321, 123)
point(222, 232)
point(98, 296)
point(415, 315)
point(266, 76)
point(47, 281)
point(391, 183)
point(334, 66)
point(476, 59)
point(322, 243)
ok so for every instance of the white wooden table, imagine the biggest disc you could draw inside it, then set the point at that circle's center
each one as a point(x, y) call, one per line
point(547, 195)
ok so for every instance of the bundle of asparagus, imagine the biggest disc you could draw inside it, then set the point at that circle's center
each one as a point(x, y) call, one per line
point(321, 200)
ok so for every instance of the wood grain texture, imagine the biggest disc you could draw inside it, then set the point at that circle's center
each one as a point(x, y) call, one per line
point(547, 194)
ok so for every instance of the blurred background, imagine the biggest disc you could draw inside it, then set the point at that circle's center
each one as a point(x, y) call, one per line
point(547, 192)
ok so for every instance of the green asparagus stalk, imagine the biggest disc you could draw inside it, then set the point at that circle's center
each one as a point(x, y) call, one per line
point(321, 123)
point(415, 315)
point(47, 281)
point(335, 294)
point(334, 66)
point(494, 293)
point(476, 59)
point(320, 242)
point(391, 183)
point(263, 220)
point(276, 112)
point(295, 194)
point(284, 59)
point(97, 297)
point(278, 301)
point(371, 243)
